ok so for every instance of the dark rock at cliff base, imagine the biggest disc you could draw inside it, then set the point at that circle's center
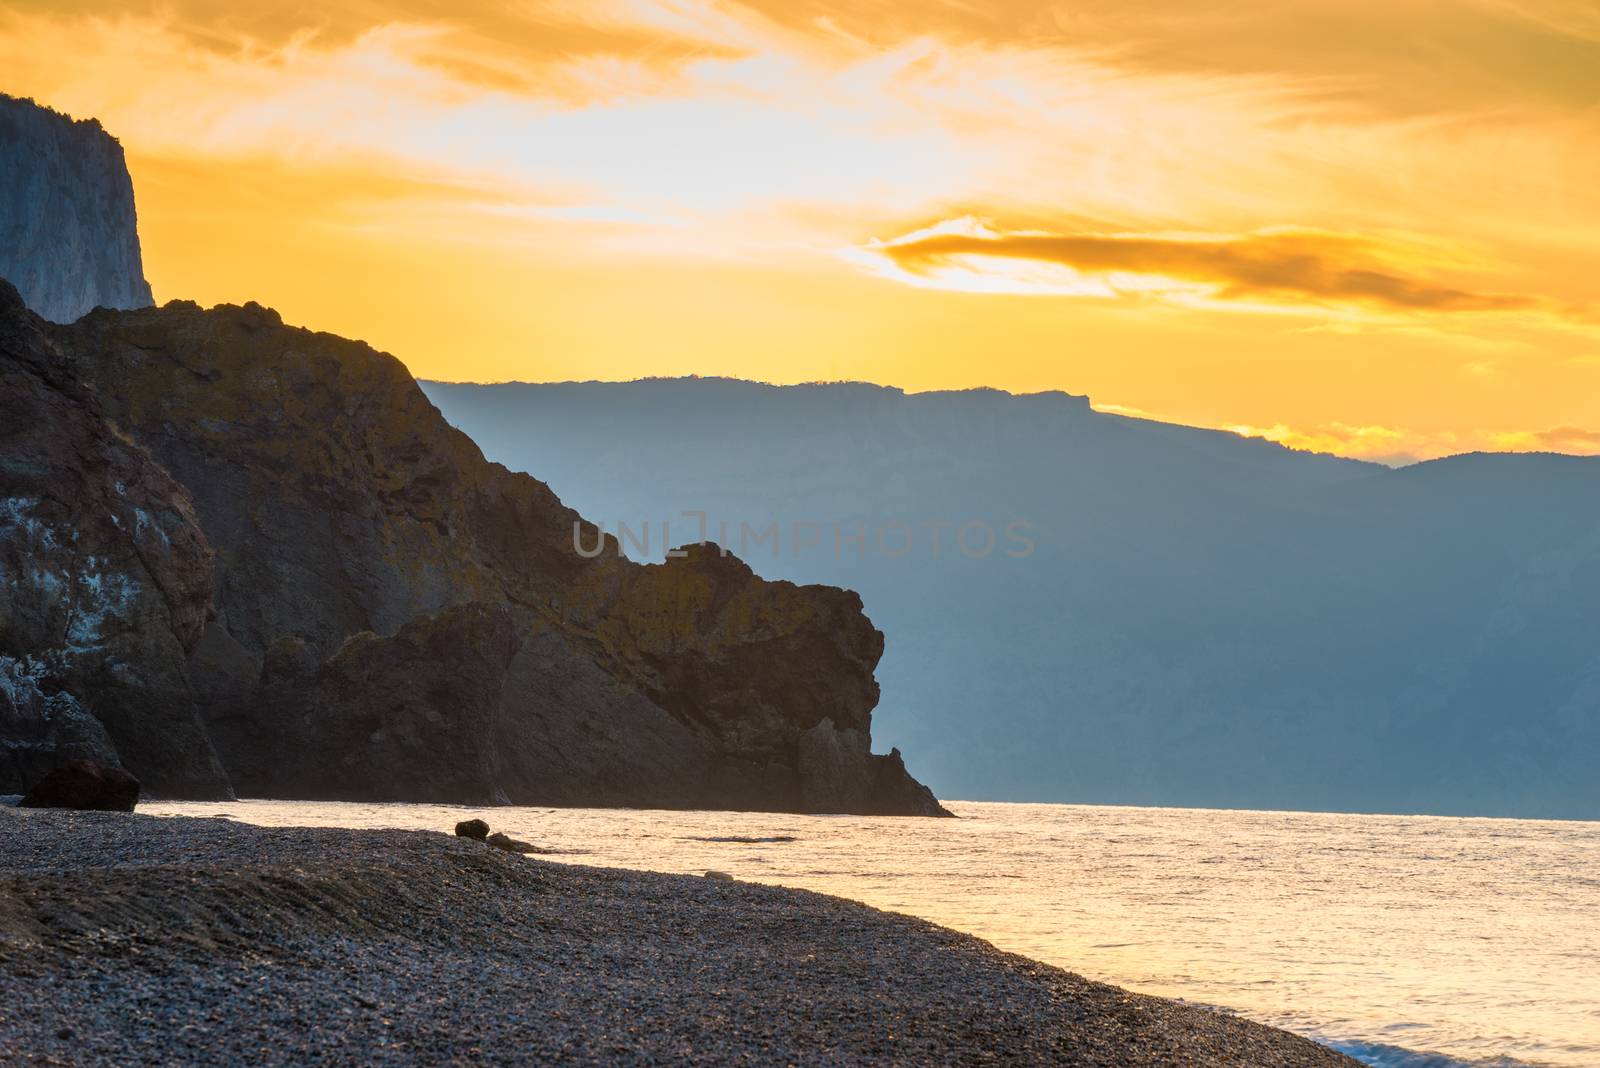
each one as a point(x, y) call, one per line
point(85, 785)
point(472, 829)
point(105, 584)
point(69, 240)
point(396, 618)
point(41, 729)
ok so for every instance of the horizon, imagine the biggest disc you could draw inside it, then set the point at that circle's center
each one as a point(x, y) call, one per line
point(1199, 218)
point(1382, 461)
point(1310, 447)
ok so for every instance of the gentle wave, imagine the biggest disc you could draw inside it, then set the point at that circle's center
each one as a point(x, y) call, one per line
point(1378, 1055)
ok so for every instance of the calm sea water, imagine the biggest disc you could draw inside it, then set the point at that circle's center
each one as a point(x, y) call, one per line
point(1403, 940)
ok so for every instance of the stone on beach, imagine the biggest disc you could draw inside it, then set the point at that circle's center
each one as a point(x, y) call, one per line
point(86, 785)
point(472, 829)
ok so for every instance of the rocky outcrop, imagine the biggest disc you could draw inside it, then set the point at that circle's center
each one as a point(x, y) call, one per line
point(894, 791)
point(394, 617)
point(840, 773)
point(105, 584)
point(86, 785)
point(39, 730)
point(68, 235)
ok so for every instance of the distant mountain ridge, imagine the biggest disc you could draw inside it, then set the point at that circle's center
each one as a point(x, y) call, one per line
point(69, 237)
point(1205, 620)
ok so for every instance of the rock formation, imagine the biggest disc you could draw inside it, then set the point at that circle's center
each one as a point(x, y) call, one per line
point(68, 237)
point(86, 785)
point(396, 618)
point(40, 729)
point(105, 584)
point(237, 553)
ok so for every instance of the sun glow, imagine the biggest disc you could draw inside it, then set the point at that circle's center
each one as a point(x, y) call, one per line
point(1218, 216)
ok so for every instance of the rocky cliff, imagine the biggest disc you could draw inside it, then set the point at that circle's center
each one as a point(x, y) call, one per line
point(68, 237)
point(105, 583)
point(393, 617)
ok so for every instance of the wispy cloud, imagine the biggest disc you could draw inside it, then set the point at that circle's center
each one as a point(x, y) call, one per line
point(1403, 445)
point(1294, 267)
point(1382, 444)
point(1395, 445)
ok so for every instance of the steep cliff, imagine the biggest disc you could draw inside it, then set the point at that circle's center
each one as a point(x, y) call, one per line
point(68, 236)
point(105, 584)
point(395, 617)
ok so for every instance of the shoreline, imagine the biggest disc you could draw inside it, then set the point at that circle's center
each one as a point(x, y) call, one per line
point(184, 940)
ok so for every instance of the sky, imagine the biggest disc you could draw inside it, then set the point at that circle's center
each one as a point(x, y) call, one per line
point(1366, 228)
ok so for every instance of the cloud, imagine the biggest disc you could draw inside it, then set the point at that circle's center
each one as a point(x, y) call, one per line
point(1277, 267)
point(1402, 445)
point(1381, 444)
point(707, 108)
point(673, 152)
point(1392, 445)
point(724, 114)
point(1567, 439)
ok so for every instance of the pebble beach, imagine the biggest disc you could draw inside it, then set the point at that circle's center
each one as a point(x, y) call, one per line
point(130, 940)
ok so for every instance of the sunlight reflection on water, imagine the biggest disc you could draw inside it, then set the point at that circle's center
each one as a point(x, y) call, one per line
point(1383, 935)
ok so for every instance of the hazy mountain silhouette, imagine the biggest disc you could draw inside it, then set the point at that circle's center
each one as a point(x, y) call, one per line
point(1205, 619)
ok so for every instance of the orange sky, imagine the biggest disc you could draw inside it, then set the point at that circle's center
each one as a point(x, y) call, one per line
point(1359, 227)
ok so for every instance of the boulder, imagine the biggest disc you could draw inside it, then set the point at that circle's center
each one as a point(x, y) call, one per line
point(85, 785)
point(472, 829)
point(42, 729)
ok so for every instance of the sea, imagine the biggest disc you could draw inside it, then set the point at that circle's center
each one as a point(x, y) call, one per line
point(1405, 941)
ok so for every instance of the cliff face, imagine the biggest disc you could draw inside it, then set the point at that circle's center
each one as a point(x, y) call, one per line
point(234, 553)
point(395, 617)
point(105, 584)
point(68, 236)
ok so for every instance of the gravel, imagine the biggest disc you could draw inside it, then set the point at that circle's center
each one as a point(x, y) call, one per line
point(129, 940)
